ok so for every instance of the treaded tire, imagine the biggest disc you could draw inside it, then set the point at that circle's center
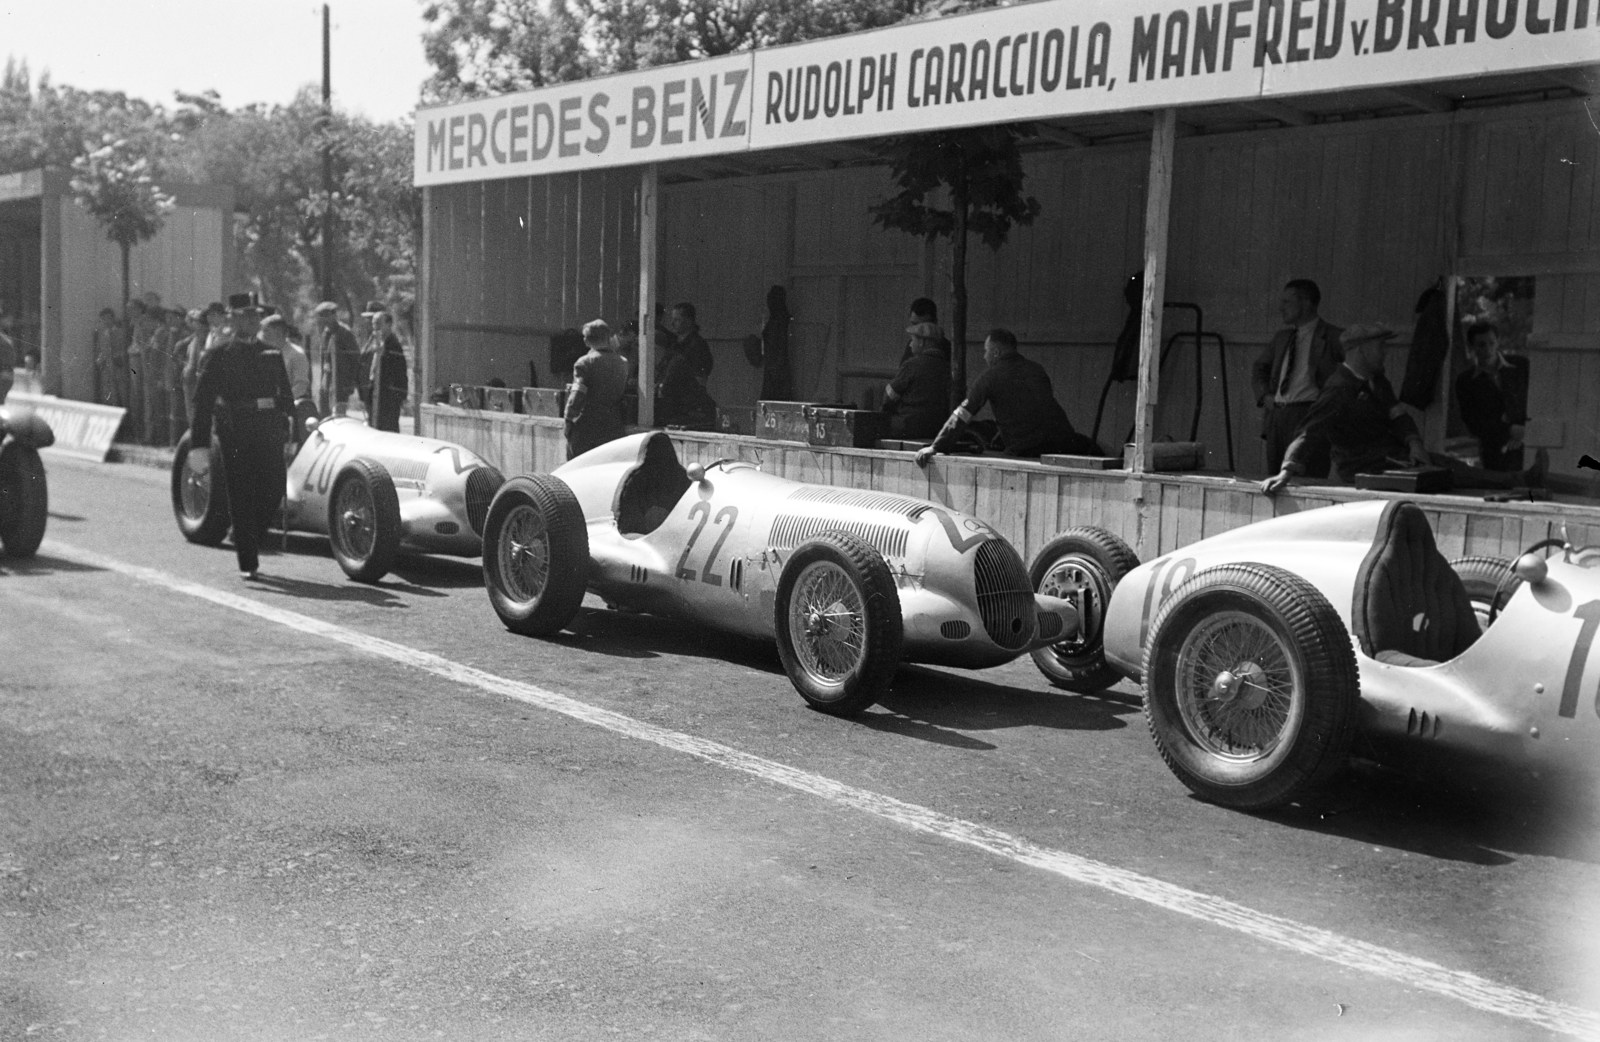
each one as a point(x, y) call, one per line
point(203, 516)
point(1095, 561)
point(24, 500)
point(535, 555)
point(828, 560)
point(364, 520)
point(1482, 576)
point(1282, 627)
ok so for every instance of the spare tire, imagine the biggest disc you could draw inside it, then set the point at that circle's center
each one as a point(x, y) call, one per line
point(24, 500)
point(199, 501)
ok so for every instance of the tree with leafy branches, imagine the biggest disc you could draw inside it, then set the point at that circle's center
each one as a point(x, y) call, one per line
point(978, 172)
point(114, 183)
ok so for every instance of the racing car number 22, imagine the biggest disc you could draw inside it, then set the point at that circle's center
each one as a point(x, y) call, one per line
point(702, 508)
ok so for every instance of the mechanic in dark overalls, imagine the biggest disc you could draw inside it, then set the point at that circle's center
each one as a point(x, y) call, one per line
point(245, 383)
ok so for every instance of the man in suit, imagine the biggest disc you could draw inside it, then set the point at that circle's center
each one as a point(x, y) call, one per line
point(1289, 374)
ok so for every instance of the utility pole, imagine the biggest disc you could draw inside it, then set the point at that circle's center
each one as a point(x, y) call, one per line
point(327, 158)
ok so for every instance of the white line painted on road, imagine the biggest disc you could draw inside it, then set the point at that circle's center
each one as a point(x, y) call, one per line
point(1471, 989)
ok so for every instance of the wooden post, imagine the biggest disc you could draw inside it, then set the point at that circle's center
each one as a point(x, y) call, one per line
point(422, 380)
point(648, 198)
point(1158, 206)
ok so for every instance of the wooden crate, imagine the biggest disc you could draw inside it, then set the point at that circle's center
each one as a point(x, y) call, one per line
point(499, 399)
point(846, 428)
point(465, 396)
point(543, 401)
point(783, 421)
point(736, 420)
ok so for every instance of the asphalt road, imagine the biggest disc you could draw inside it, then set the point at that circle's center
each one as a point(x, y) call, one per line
point(216, 824)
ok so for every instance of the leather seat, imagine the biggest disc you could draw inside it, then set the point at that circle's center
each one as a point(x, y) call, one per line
point(1410, 607)
point(651, 489)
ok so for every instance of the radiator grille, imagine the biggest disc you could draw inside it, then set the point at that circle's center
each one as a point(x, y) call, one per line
point(905, 506)
point(482, 483)
point(1005, 600)
point(790, 530)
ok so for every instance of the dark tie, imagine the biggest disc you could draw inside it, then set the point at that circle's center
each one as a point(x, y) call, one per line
point(1288, 363)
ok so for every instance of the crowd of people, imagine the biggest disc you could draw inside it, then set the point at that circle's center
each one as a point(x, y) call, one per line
point(150, 361)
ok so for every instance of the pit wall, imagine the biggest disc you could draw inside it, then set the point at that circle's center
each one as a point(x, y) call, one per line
point(1029, 502)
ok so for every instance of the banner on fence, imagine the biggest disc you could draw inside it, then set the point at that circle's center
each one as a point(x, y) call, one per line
point(82, 429)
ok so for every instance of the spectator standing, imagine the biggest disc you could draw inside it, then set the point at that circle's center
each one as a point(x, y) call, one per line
point(383, 370)
point(110, 361)
point(1493, 395)
point(249, 380)
point(142, 326)
point(594, 398)
point(275, 334)
point(192, 349)
point(681, 396)
point(919, 395)
point(338, 353)
point(1290, 372)
point(777, 380)
point(1031, 421)
point(689, 342)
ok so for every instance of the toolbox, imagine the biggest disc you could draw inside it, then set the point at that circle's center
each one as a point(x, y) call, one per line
point(543, 401)
point(783, 421)
point(846, 428)
point(465, 396)
point(736, 420)
point(499, 399)
point(1420, 480)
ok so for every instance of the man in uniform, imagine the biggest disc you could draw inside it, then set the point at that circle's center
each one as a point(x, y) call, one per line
point(245, 384)
point(1358, 420)
point(1289, 373)
point(1032, 423)
point(594, 400)
point(339, 352)
point(1493, 395)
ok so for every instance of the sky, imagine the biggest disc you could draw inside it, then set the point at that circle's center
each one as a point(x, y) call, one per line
point(263, 50)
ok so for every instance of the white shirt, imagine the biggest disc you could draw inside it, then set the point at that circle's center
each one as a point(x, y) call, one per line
point(299, 367)
point(1302, 381)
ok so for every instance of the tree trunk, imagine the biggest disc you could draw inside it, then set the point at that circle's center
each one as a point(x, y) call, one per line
point(958, 294)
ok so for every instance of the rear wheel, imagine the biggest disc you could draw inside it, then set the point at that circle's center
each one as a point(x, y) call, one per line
point(1490, 584)
point(838, 623)
point(1250, 686)
point(199, 501)
point(1082, 565)
point(364, 520)
point(24, 500)
point(535, 555)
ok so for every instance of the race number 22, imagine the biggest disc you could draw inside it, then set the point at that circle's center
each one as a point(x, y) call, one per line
point(728, 514)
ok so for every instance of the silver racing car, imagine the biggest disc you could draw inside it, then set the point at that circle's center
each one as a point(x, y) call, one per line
point(850, 583)
point(375, 494)
point(1267, 651)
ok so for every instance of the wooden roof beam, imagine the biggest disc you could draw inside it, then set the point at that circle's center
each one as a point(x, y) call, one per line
point(1420, 98)
point(1060, 135)
point(1584, 80)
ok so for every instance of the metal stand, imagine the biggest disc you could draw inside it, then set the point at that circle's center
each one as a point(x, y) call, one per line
point(1199, 334)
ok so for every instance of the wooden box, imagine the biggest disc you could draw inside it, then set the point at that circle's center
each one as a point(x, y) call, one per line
point(499, 399)
point(736, 420)
point(464, 396)
point(902, 444)
point(847, 428)
point(1418, 480)
point(1171, 455)
point(783, 421)
point(543, 401)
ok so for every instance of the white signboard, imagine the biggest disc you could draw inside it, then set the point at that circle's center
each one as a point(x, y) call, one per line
point(82, 429)
point(1052, 59)
point(671, 112)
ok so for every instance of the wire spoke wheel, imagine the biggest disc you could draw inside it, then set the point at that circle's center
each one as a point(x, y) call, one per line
point(357, 519)
point(828, 620)
point(524, 554)
point(1238, 686)
point(195, 491)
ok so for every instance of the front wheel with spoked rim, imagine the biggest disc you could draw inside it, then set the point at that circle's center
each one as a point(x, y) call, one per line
point(535, 555)
point(838, 623)
point(1250, 686)
point(200, 501)
point(364, 520)
point(1084, 566)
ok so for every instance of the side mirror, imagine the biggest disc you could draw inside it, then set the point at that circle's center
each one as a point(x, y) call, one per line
point(696, 472)
point(1531, 569)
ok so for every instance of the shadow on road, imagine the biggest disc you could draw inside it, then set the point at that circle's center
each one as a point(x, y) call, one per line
point(419, 570)
point(966, 702)
point(383, 595)
point(1449, 819)
point(630, 635)
point(66, 517)
point(42, 564)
